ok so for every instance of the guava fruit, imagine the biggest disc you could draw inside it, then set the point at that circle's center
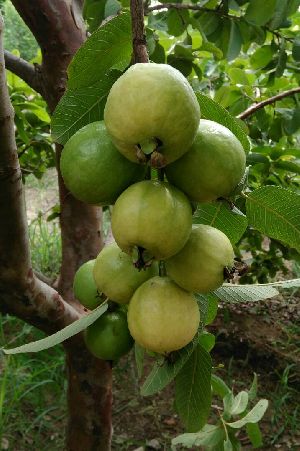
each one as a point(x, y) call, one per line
point(116, 276)
point(92, 168)
point(108, 338)
point(161, 316)
point(213, 166)
point(199, 266)
point(153, 217)
point(152, 107)
point(84, 287)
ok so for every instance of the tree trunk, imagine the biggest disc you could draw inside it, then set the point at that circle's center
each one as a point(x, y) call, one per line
point(59, 29)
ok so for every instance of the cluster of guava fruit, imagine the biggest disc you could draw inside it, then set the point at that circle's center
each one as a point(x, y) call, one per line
point(158, 260)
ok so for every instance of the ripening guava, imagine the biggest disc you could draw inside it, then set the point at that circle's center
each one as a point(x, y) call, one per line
point(199, 266)
point(152, 106)
point(108, 338)
point(212, 167)
point(84, 287)
point(116, 276)
point(93, 169)
point(161, 316)
point(154, 217)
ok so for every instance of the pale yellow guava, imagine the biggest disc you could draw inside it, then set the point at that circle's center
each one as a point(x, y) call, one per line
point(116, 276)
point(152, 103)
point(213, 166)
point(154, 216)
point(199, 266)
point(161, 316)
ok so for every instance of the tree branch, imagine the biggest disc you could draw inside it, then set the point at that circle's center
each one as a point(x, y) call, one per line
point(140, 54)
point(253, 108)
point(30, 73)
point(21, 293)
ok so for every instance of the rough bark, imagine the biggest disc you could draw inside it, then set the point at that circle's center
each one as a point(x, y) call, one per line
point(140, 54)
point(58, 28)
point(21, 293)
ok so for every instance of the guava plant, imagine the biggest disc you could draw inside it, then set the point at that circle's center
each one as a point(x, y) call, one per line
point(152, 220)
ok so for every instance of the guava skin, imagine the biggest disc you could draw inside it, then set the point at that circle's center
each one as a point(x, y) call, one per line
point(199, 266)
point(212, 167)
point(84, 287)
point(93, 169)
point(162, 317)
point(116, 276)
point(152, 101)
point(152, 215)
point(108, 338)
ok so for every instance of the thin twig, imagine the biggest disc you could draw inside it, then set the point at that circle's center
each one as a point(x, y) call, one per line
point(140, 54)
point(30, 73)
point(253, 108)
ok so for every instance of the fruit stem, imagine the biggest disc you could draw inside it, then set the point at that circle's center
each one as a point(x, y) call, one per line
point(162, 269)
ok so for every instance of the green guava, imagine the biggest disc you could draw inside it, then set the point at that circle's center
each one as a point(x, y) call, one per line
point(116, 276)
point(152, 106)
point(162, 317)
point(108, 338)
point(199, 266)
point(92, 168)
point(153, 217)
point(213, 166)
point(84, 287)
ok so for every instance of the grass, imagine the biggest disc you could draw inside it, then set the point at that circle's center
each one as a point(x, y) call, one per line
point(33, 386)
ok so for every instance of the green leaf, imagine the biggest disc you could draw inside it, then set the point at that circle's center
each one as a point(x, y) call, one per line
point(208, 306)
point(108, 48)
point(163, 373)
point(261, 57)
point(219, 215)
point(219, 387)
point(139, 354)
point(282, 60)
point(211, 110)
point(177, 21)
point(193, 390)
point(207, 341)
point(112, 7)
point(227, 445)
point(274, 211)
point(234, 41)
point(238, 76)
point(240, 403)
point(210, 435)
point(93, 13)
point(212, 48)
point(254, 434)
point(79, 107)
point(281, 13)
point(292, 283)
point(253, 416)
point(227, 403)
point(292, 125)
point(245, 293)
point(259, 13)
point(61, 335)
point(93, 71)
point(296, 49)
point(252, 393)
point(287, 166)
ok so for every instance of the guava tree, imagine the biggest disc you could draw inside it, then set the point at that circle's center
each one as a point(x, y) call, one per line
point(208, 43)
